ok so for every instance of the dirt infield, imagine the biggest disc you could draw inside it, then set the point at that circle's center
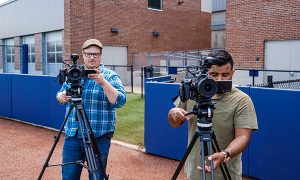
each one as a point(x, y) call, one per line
point(24, 149)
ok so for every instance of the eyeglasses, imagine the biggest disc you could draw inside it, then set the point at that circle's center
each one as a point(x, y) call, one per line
point(88, 55)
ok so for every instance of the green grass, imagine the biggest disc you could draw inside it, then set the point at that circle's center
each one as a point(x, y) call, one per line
point(130, 120)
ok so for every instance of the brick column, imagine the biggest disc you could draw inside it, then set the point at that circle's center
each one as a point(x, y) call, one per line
point(17, 55)
point(38, 54)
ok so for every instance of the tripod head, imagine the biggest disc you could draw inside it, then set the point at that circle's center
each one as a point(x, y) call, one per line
point(203, 109)
point(76, 92)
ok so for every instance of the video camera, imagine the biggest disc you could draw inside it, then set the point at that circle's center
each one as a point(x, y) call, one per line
point(204, 86)
point(75, 73)
point(74, 76)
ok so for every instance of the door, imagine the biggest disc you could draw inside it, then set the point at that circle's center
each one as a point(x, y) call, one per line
point(116, 55)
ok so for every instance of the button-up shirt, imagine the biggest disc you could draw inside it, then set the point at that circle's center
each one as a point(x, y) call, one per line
point(100, 112)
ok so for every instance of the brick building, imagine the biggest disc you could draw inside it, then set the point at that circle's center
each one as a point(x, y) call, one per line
point(60, 27)
point(264, 34)
point(180, 26)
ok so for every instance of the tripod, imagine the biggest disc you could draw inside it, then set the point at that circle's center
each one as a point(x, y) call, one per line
point(204, 111)
point(90, 145)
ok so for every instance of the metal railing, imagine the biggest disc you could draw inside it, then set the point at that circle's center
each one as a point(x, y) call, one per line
point(168, 58)
point(278, 79)
point(113, 67)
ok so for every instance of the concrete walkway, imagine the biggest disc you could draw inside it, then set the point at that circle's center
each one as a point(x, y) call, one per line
point(136, 89)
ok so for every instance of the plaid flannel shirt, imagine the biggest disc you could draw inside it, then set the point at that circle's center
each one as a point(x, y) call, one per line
point(100, 112)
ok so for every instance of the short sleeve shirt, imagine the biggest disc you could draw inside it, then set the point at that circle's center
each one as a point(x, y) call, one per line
point(232, 110)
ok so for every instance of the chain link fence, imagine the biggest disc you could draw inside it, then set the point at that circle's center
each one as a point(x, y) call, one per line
point(125, 72)
point(166, 59)
point(279, 79)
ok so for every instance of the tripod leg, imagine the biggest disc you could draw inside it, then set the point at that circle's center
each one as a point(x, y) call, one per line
point(211, 162)
point(55, 143)
point(221, 165)
point(225, 166)
point(95, 147)
point(87, 146)
point(186, 154)
point(203, 159)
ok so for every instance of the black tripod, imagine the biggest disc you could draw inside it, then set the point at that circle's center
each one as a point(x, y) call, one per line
point(204, 111)
point(90, 145)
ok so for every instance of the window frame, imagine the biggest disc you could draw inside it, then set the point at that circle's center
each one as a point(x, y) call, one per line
point(11, 55)
point(55, 52)
point(153, 8)
point(52, 68)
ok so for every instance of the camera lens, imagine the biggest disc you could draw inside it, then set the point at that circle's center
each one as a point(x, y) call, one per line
point(207, 87)
point(74, 74)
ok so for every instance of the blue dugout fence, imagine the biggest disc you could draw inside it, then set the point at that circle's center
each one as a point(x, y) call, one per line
point(32, 99)
point(271, 154)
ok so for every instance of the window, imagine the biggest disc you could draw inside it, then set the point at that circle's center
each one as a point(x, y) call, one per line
point(10, 56)
point(31, 53)
point(53, 52)
point(155, 4)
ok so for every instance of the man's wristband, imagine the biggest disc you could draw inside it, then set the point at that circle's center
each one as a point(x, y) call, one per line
point(226, 154)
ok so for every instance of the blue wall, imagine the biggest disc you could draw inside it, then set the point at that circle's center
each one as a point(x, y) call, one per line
point(273, 148)
point(32, 99)
point(5, 95)
point(272, 151)
point(271, 154)
point(160, 138)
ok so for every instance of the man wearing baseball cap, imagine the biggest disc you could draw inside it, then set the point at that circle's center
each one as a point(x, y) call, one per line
point(103, 93)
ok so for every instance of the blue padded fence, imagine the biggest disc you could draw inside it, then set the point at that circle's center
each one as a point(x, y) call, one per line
point(158, 79)
point(271, 153)
point(32, 99)
point(273, 148)
point(5, 95)
point(160, 138)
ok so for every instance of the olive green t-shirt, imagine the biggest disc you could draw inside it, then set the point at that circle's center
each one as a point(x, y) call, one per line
point(232, 110)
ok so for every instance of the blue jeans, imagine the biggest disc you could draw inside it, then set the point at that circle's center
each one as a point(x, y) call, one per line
point(73, 151)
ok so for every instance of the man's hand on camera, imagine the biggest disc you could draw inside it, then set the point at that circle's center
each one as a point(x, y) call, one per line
point(217, 158)
point(63, 98)
point(98, 77)
point(176, 117)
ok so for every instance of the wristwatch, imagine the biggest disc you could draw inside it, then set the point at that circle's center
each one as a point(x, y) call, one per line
point(226, 154)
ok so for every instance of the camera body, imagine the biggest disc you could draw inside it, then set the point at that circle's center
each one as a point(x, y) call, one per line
point(74, 74)
point(203, 86)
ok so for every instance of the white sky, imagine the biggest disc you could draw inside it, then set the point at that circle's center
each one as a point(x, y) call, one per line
point(2, 1)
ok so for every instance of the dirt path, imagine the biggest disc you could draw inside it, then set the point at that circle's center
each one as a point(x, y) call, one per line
point(24, 149)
